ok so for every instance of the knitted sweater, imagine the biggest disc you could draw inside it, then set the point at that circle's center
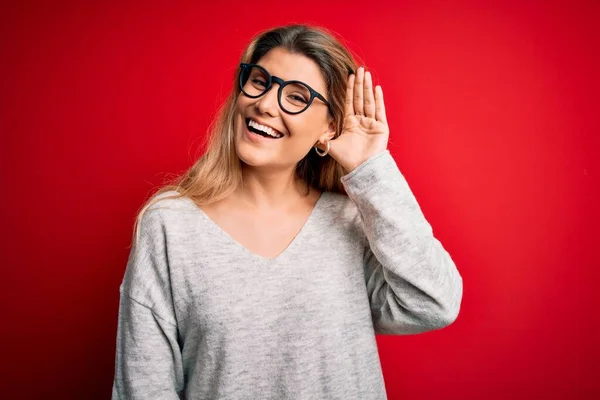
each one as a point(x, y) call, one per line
point(201, 316)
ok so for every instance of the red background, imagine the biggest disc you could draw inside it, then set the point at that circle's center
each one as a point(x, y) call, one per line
point(493, 111)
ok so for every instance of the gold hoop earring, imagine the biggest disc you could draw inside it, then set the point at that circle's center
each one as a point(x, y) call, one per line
point(326, 151)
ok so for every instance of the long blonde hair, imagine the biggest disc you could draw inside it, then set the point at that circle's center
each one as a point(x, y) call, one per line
point(217, 173)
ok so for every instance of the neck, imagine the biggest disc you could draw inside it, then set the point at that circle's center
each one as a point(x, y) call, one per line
point(270, 190)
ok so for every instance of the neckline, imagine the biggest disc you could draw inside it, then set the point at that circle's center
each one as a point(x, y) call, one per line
point(283, 254)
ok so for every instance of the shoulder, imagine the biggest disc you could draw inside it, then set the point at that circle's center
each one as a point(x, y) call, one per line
point(170, 204)
point(170, 200)
point(167, 209)
point(338, 200)
point(340, 210)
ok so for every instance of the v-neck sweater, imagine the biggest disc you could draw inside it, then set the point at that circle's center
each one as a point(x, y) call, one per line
point(202, 317)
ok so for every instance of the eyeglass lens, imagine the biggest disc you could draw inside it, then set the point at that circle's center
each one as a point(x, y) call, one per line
point(294, 96)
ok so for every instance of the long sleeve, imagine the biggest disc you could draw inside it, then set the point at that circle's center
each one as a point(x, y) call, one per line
point(148, 363)
point(412, 282)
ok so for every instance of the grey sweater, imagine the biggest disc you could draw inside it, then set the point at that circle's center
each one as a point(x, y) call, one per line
point(201, 316)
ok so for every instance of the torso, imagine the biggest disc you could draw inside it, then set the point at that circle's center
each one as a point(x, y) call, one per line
point(264, 233)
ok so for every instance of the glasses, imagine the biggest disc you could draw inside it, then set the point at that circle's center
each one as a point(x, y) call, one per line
point(293, 96)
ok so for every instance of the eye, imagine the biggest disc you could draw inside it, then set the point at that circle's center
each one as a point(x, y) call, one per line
point(296, 97)
point(260, 82)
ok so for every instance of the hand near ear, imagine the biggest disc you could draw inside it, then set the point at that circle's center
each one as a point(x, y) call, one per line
point(365, 132)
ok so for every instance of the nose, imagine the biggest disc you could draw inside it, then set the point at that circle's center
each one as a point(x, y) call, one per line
point(267, 103)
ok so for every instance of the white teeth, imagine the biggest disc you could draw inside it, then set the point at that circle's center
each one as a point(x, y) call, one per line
point(269, 131)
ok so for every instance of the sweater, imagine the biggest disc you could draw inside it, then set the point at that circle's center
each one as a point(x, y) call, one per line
point(202, 317)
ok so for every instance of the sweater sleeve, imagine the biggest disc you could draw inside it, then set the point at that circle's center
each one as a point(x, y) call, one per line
point(412, 282)
point(148, 362)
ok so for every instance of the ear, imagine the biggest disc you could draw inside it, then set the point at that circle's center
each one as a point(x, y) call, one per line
point(328, 134)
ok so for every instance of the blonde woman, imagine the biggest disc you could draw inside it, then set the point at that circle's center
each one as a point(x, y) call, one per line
point(265, 271)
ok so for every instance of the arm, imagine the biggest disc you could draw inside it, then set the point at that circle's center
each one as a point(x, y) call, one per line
point(148, 362)
point(412, 282)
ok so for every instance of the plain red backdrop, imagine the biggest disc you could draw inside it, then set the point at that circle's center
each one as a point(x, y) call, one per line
point(493, 111)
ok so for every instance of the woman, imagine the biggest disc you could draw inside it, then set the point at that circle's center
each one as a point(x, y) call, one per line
point(267, 269)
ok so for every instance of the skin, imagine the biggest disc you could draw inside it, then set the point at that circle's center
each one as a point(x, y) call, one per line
point(269, 167)
point(270, 208)
point(365, 131)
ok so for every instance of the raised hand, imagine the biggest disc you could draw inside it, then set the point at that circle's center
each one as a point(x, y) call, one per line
point(365, 132)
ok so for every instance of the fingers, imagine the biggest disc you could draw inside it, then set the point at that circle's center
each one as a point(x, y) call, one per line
point(379, 105)
point(361, 99)
point(369, 99)
point(349, 108)
point(358, 91)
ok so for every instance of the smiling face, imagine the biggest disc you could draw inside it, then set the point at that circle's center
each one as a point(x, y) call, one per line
point(295, 134)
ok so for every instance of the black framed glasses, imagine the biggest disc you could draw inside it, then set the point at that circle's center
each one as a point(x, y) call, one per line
point(293, 96)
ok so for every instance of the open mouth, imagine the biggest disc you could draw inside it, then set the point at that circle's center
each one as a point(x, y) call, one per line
point(262, 130)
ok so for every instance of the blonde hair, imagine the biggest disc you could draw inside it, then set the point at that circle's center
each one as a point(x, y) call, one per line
point(217, 173)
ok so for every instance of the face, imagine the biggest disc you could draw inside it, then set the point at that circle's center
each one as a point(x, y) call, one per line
point(299, 132)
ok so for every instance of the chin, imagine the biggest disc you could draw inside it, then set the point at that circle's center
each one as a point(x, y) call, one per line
point(254, 157)
point(247, 152)
point(248, 156)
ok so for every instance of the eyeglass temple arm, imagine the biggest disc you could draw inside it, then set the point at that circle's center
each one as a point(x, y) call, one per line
point(322, 98)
